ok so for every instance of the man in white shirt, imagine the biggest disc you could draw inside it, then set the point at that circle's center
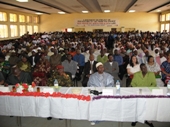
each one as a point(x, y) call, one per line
point(70, 65)
point(100, 78)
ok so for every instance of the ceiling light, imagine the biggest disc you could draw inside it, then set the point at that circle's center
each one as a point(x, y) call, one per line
point(106, 11)
point(61, 12)
point(85, 11)
point(22, 0)
point(158, 10)
point(131, 10)
point(38, 13)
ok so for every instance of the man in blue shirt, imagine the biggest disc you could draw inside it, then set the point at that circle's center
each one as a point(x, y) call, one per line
point(80, 59)
point(118, 58)
point(165, 67)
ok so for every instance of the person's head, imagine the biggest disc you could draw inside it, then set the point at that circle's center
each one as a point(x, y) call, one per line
point(39, 49)
point(102, 52)
point(66, 51)
point(69, 57)
point(168, 55)
point(16, 71)
point(72, 49)
point(42, 57)
point(100, 67)
point(52, 50)
point(150, 59)
point(60, 69)
point(156, 51)
point(78, 51)
point(146, 53)
point(161, 54)
point(91, 57)
point(110, 57)
point(135, 52)
point(24, 58)
point(34, 52)
point(116, 52)
point(143, 68)
point(133, 60)
point(2, 58)
point(91, 51)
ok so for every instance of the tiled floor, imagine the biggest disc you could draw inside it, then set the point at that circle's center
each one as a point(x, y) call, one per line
point(6, 121)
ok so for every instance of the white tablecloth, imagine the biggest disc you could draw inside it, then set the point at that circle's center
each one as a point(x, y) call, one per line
point(112, 109)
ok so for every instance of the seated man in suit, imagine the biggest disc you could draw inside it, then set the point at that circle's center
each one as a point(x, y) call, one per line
point(100, 78)
point(18, 76)
point(112, 67)
point(89, 68)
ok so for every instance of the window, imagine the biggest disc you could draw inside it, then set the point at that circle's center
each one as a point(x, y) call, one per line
point(35, 29)
point(162, 17)
point(29, 19)
point(3, 31)
point(167, 27)
point(13, 17)
point(35, 19)
point(14, 30)
point(3, 16)
point(29, 29)
point(22, 30)
point(21, 18)
point(168, 17)
point(162, 27)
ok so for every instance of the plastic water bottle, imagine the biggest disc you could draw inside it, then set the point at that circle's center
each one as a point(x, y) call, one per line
point(56, 83)
point(168, 88)
point(117, 87)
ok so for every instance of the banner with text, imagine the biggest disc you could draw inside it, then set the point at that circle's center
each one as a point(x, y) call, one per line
point(96, 22)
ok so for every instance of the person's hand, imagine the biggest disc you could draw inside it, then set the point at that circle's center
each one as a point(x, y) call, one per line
point(114, 69)
point(5, 84)
point(88, 76)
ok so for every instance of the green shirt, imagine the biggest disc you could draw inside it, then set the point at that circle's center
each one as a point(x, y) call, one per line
point(103, 59)
point(148, 80)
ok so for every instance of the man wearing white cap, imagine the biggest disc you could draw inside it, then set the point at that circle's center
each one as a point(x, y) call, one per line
point(100, 78)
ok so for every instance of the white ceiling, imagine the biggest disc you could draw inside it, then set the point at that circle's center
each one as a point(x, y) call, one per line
point(77, 6)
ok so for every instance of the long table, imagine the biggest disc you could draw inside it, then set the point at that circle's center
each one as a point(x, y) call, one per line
point(131, 106)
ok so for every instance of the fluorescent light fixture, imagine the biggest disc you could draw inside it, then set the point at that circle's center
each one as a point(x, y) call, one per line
point(131, 10)
point(38, 13)
point(22, 0)
point(85, 11)
point(61, 12)
point(158, 10)
point(106, 11)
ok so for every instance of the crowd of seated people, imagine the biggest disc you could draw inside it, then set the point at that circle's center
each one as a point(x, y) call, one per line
point(121, 53)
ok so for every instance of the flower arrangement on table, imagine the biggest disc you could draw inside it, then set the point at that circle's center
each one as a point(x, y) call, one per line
point(24, 87)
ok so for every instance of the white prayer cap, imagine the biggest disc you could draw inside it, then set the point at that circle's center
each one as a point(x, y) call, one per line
point(157, 48)
point(39, 48)
point(34, 50)
point(12, 51)
point(98, 64)
point(134, 49)
point(52, 47)
point(61, 49)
